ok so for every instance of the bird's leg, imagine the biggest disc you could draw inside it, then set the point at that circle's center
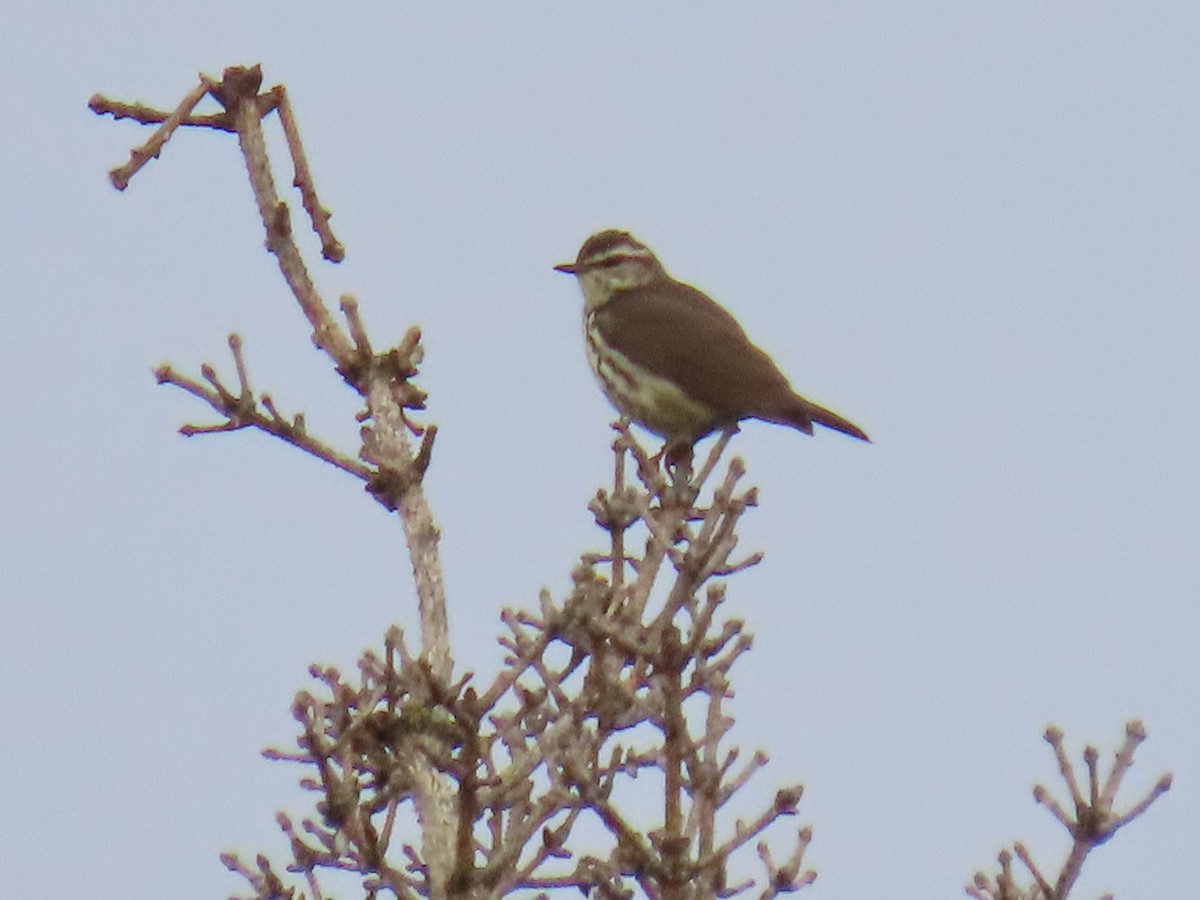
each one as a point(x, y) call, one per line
point(677, 460)
point(677, 457)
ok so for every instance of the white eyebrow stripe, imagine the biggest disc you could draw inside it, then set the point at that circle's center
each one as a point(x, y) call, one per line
point(620, 251)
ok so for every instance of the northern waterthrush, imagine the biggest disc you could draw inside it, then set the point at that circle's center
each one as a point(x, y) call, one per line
point(671, 358)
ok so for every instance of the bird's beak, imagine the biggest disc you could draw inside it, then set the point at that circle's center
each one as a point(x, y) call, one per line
point(565, 268)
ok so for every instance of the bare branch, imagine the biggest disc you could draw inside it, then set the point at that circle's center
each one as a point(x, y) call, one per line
point(1092, 823)
point(391, 470)
point(139, 156)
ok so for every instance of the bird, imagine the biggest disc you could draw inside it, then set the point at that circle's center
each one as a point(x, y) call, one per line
point(671, 358)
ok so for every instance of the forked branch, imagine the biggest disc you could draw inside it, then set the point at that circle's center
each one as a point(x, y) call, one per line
point(1093, 821)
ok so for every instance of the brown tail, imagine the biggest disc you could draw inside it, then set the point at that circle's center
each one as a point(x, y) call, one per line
point(822, 416)
point(794, 410)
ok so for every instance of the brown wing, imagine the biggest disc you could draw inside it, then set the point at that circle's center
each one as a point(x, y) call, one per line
point(678, 333)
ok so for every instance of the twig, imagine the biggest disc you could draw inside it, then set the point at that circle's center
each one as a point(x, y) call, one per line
point(139, 156)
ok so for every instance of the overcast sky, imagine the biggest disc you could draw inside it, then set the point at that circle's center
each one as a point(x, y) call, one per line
point(970, 227)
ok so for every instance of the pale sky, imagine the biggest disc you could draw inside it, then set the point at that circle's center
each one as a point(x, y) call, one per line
point(970, 227)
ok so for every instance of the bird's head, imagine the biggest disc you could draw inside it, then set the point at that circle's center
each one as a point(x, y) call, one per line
point(612, 261)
